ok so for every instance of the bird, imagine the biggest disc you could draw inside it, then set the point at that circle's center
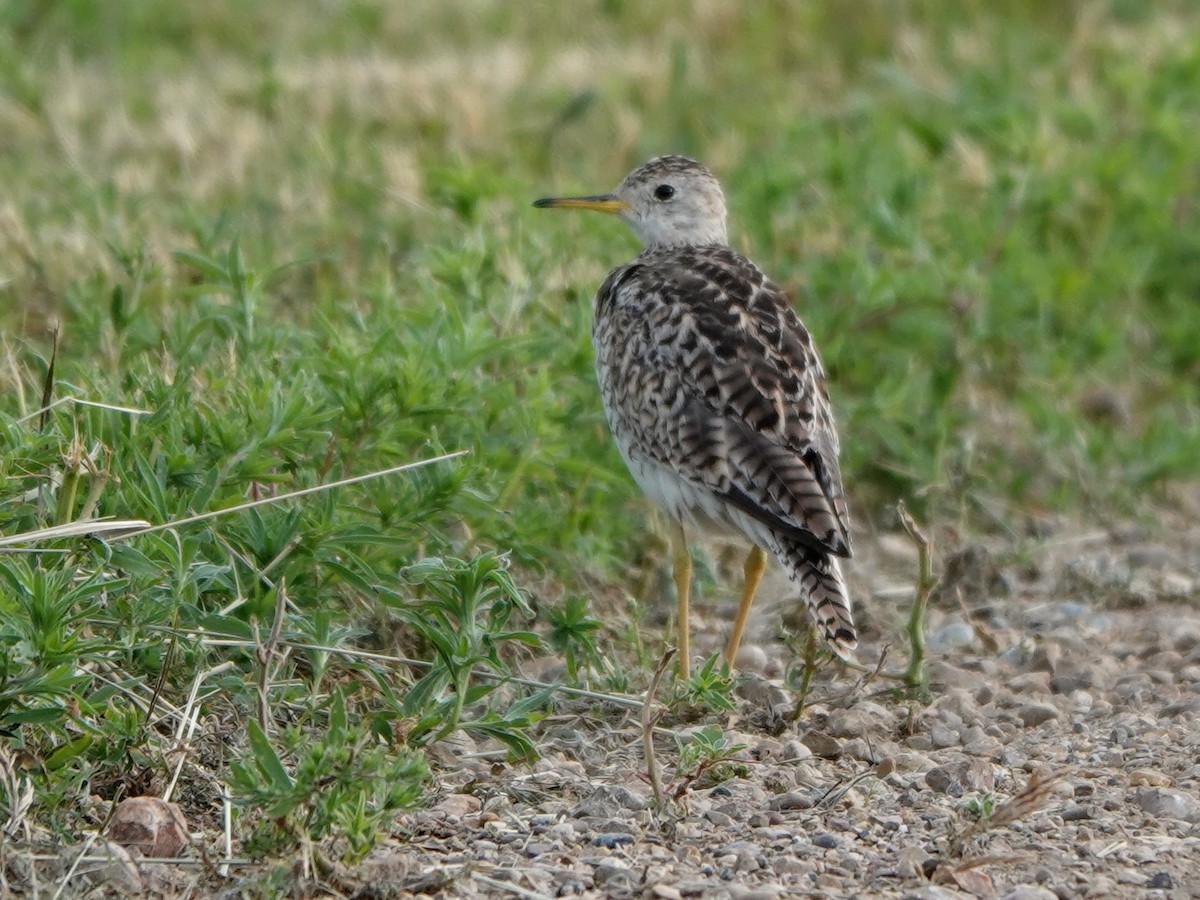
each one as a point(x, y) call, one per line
point(717, 398)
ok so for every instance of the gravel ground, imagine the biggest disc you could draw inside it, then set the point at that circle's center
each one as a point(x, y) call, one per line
point(1057, 756)
point(1065, 703)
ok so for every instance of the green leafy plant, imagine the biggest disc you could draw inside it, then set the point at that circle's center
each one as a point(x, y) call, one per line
point(572, 633)
point(340, 779)
point(710, 689)
point(44, 635)
point(461, 611)
point(981, 807)
point(706, 758)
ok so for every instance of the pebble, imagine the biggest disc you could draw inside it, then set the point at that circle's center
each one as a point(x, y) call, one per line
point(794, 751)
point(826, 841)
point(955, 636)
point(1045, 658)
point(1148, 777)
point(608, 800)
point(752, 658)
point(613, 839)
point(1030, 892)
point(791, 800)
point(821, 744)
point(957, 778)
point(1030, 683)
point(941, 737)
point(962, 704)
point(612, 874)
point(1188, 708)
point(1033, 714)
point(1064, 683)
point(861, 749)
point(1162, 802)
point(986, 746)
point(854, 722)
point(951, 676)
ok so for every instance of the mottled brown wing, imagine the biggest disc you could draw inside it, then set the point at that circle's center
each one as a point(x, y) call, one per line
point(753, 420)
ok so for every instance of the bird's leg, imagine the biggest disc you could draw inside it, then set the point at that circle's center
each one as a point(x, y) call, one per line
point(756, 565)
point(683, 590)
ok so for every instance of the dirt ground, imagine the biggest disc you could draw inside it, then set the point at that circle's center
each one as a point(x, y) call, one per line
point(1058, 756)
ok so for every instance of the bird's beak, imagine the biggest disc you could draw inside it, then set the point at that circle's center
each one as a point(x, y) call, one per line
point(606, 203)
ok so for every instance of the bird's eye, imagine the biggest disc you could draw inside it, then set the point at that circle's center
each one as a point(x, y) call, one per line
point(664, 192)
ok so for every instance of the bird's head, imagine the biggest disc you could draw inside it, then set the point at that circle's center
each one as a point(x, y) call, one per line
point(671, 201)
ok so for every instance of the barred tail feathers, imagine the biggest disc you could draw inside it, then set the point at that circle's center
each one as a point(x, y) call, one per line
point(819, 577)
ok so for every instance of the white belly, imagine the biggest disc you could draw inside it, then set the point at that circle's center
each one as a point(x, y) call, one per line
point(687, 503)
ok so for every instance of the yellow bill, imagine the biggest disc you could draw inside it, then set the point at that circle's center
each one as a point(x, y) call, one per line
point(605, 203)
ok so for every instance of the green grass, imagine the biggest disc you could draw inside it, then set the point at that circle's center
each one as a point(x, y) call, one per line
point(304, 245)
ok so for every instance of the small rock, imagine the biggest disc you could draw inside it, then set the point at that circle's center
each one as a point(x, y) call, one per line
point(955, 636)
point(962, 704)
point(1045, 658)
point(912, 862)
point(120, 870)
point(985, 746)
point(794, 751)
point(1161, 802)
point(942, 737)
point(720, 819)
point(455, 806)
point(951, 676)
point(852, 722)
point(1033, 714)
point(790, 800)
point(149, 826)
point(826, 841)
point(1148, 777)
point(974, 881)
point(612, 839)
point(608, 800)
point(1067, 683)
point(752, 658)
point(612, 874)
point(1030, 892)
point(767, 749)
point(942, 781)
point(858, 748)
point(821, 744)
point(1129, 876)
point(1161, 881)
point(918, 742)
point(966, 775)
point(737, 892)
point(1030, 683)
point(1187, 708)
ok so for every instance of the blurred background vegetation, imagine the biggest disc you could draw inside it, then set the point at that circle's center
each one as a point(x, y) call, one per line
point(300, 237)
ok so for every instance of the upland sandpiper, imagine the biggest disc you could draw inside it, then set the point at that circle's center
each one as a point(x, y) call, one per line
point(716, 396)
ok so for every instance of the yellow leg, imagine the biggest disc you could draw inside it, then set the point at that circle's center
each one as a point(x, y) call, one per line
point(683, 590)
point(756, 565)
